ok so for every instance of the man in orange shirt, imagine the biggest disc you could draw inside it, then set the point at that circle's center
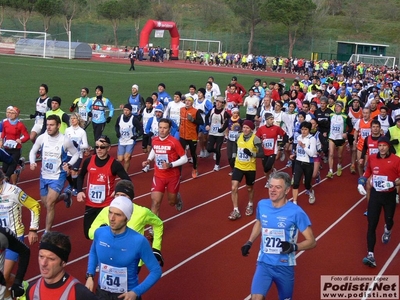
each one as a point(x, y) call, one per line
point(190, 120)
point(168, 155)
point(362, 130)
point(355, 113)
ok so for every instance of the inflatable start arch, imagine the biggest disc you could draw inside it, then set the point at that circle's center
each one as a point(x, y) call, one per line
point(160, 25)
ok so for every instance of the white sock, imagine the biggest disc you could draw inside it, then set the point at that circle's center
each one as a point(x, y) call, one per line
point(371, 254)
point(331, 170)
point(236, 209)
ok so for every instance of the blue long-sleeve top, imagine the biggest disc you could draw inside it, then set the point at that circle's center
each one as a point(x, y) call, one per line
point(122, 251)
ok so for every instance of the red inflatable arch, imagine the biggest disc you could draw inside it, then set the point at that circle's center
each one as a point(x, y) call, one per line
point(161, 25)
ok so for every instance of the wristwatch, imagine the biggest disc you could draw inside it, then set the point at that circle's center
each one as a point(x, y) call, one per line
point(170, 165)
point(88, 275)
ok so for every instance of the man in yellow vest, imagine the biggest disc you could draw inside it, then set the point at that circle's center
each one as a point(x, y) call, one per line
point(56, 110)
point(246, 150)
point(188, 55)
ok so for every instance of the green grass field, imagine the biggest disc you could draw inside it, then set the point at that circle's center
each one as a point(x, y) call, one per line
point(21, 77)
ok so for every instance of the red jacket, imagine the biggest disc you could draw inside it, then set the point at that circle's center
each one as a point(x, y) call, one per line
point(14, 132)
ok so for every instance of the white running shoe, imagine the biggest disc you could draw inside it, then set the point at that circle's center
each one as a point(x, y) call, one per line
point(216, 168)
point(311, 197)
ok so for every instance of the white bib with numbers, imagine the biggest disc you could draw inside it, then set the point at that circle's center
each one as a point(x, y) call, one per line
point(113, 279)
point(97, 193)
point(271, 239)
point(377, 182)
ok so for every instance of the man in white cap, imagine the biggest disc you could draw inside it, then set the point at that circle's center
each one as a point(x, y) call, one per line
point(136, 100)
point(118, 261)
point(141, 217)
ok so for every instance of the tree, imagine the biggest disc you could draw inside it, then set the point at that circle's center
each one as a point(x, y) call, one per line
point(69, 9)
point(48, 9)
point(112, 10)
point(293, 14)
point(136, 9)
point(249, 12)
point(23, 10)
point(3, 4)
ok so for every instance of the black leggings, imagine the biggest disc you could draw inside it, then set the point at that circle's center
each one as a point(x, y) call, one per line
point(192, 148)
point(229, 151)
point(9, 166)
point(301, 168)
point(217, 141)
point(98, 130)
point(268, 162)
point(90, 214)
point(377, 201)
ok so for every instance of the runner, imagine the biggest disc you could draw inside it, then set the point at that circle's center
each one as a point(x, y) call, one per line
point(340, 127)
point(306, 150)
point(245, 150)
point(77, 135)
point(383, 170)
point(54, 169)
point(362, 129)
point(127, 129)
point(80, 104)
point(102, 170)
point(43, 104)
point(269, 134)
point(118, 277)
point(278, 247)
point(215, 120)
point(168, 155)
point(12, 201)
point(14, 134)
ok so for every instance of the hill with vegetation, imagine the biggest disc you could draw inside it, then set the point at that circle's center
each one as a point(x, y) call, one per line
point(257, 26)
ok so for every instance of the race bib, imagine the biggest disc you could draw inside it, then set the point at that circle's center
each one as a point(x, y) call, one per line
point(83, 113)
point(230, 105)
point(4, 219)
point(49, 165)
point(113, 279)
point(233, 135)
point(373, 151)
point(242, 156)
point(300, 152)
point(268, 144)
point(160, 158)
point(335, 129)
point(365, 132)
point(271, 239)
point(134, 109)
point(97, 193)
point(377, 182)
point(214, 128)
point(96, 115)
point(125, 132)
point(251, 110)
point(10, 144)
